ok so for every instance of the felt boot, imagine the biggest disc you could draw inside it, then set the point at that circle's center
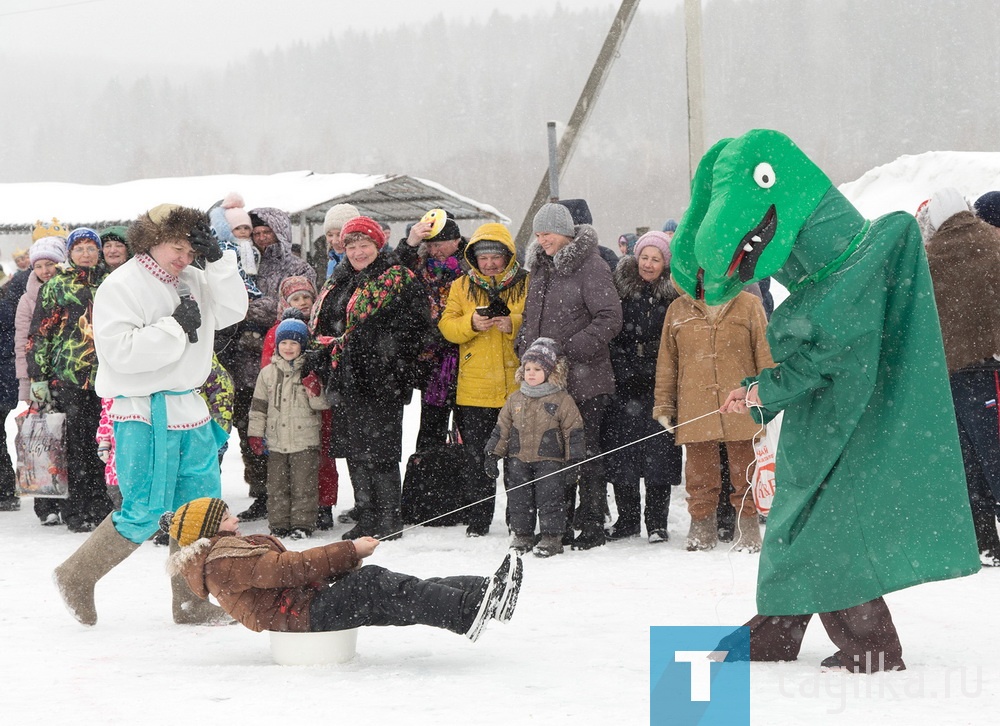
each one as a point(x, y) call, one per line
point(548, 546)
point(748, 529)
point(522, 543)
point(703, 535)
point(189, 609)
point(97, 556)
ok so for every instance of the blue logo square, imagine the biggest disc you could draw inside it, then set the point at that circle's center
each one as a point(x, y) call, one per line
point(687, 687)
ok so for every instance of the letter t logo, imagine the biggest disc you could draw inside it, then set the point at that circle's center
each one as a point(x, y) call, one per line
point(701, 671)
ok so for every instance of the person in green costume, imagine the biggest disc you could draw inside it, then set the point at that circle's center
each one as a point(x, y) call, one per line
point(871, 494)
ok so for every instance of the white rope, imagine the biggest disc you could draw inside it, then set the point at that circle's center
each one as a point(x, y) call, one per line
point(739, 529)
point(559, 471)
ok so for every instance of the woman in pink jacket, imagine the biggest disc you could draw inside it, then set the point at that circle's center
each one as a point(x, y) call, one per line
point(45, 255)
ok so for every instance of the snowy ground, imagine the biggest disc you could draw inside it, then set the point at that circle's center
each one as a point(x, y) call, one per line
point(576, 651)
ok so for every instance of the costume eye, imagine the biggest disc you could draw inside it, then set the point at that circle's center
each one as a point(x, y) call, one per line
point(764, 175)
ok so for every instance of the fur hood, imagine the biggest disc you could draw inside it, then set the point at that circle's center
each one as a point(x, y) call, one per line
point(144, 233)
point(558, 377)
point(184, 559)
point(190, 561)
point(569, 259)
point(628, 283)
point(279, 222)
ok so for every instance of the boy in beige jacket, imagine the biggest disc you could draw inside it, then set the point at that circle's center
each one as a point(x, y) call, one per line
point(285, 411)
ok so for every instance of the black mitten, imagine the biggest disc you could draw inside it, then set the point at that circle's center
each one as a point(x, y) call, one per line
point(204, 242)
point(188, 315)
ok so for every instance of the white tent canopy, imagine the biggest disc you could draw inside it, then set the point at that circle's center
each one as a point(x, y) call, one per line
point(303, 194)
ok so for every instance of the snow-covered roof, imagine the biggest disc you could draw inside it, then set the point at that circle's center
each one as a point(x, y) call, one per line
point(904, 183)
point(390, 198)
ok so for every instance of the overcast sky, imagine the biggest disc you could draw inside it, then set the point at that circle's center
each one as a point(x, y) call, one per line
point(199, 32)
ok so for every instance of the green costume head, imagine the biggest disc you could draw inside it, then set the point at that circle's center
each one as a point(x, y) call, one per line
point(750, 198)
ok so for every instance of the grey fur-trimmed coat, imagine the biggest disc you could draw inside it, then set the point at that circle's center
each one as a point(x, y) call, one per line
point(571, 299)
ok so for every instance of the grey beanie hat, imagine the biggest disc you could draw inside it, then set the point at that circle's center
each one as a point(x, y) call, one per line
point(554, 218)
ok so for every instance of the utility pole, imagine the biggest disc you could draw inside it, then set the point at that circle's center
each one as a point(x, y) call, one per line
point(553, 162)
point(586, 103)
point(695, 84)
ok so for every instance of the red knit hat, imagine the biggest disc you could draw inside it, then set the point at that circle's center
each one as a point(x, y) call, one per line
point(368, 227)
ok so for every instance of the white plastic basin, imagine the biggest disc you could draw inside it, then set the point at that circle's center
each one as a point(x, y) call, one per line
point(335, 646)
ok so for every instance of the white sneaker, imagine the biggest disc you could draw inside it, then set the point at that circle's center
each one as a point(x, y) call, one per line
point(511, 588)
point(491, 600)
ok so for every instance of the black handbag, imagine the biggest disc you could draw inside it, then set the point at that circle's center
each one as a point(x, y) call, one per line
point(437, 483)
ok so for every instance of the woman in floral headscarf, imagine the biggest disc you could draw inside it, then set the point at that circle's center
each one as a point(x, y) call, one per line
point(373, 318)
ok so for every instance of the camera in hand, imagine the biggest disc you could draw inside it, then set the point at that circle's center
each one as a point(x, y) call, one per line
point(496, 309)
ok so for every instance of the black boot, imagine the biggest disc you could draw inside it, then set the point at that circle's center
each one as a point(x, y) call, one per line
point(365, 526)
point(386, 486)
point(725, 515)
point(627, 500)
point(983, 505)
point(657, 512)
point(256, 511)
point(591, 536)
point(48, 511)
point(324, 518)
point(364, 511)
point(593, 497)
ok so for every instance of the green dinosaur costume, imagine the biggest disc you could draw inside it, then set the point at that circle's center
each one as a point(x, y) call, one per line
point(871, 493)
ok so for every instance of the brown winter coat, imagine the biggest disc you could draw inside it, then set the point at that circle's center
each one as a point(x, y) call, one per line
point(964, 259)
point(548, 428)
point(702, 360)
point(282, 412)
point(260, 583)
point(572, 300)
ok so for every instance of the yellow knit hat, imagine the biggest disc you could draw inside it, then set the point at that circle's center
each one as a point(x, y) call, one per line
point(196, 519)
point(47, 229)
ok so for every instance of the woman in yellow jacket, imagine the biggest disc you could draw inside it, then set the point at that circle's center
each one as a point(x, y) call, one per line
point(482, 316)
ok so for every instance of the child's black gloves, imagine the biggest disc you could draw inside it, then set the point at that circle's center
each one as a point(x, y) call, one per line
point(491, 466)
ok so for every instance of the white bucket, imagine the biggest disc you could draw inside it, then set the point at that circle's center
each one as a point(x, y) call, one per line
point(324, 648)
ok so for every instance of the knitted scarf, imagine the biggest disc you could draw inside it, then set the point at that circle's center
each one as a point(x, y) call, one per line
point(508, 287)
point(437, 276)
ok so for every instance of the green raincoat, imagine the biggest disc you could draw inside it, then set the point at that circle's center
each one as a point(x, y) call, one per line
point(871, 495)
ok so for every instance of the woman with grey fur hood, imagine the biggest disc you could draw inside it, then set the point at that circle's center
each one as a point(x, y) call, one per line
point(643, 284)
point(572, 300)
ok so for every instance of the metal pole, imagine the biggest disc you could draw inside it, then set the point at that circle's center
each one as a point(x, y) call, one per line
point(695, 85)
point(553, 163)
point(585, 104)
